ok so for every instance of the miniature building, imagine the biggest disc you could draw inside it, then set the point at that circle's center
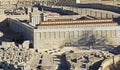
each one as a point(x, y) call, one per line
point(50, 30)
point(34, 39)
point(56, 33)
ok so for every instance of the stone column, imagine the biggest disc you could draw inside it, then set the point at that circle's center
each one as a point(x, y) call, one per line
point(101, 15)
point(45, 35)
point(55, 35)
point(115, 33)
point(49, 35)
point(90, 13)
point(36, 40)
point(95, 14)
point(106, 15)
point(59, 34)
point(86, 11)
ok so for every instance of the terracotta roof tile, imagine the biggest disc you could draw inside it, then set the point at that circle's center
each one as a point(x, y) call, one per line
point(76, 23)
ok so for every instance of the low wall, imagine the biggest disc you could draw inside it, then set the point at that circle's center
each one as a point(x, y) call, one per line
point(20, 17)
point(87, 11)
point(56, 37)
point(67, 17)
point(110, 61)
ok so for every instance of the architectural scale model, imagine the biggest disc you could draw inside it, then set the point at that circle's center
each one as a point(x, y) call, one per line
point(59, 35)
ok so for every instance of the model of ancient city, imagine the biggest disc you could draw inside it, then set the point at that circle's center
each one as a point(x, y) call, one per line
point(59, 35)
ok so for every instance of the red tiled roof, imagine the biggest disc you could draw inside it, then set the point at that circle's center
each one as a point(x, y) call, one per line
point(76, 23)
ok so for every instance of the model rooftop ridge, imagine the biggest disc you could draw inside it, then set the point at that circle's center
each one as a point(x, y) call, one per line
point(77, 22)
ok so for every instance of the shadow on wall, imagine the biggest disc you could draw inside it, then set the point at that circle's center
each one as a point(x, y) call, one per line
point(89, 41)
point(7, 35)
point(6, 66)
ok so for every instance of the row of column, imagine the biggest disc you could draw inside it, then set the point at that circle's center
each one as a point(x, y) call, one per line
point(95, 13)
point(77, 34)
point(35, 20)
point(91, 12)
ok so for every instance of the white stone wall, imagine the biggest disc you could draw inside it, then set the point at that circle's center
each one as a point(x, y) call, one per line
point(56, 37)
point(20, 17)
point(35, 18)
point(62, 17)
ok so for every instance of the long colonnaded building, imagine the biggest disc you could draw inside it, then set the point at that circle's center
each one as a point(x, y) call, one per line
point(57, 33)
point(46, 32)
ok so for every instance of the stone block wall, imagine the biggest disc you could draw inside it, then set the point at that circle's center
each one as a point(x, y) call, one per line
point(51, 38)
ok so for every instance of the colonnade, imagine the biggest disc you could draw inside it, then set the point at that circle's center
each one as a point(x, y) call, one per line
point(57, 38)
point(77, 34)
point(86, 11)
